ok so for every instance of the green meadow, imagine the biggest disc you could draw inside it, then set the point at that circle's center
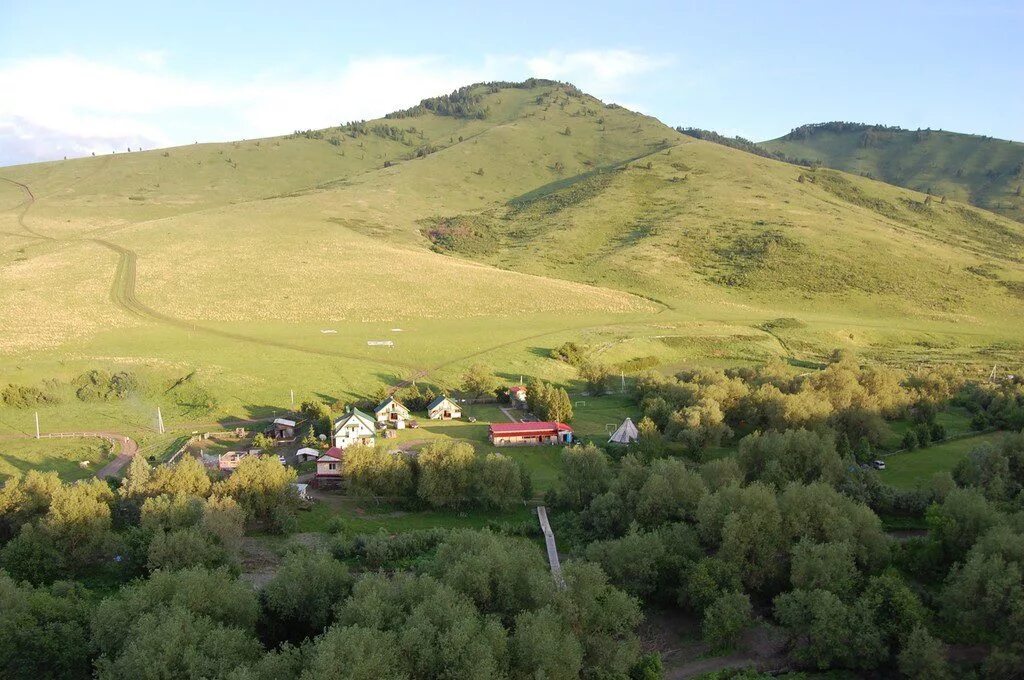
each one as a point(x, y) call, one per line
point(906, 470)
point(70, 458)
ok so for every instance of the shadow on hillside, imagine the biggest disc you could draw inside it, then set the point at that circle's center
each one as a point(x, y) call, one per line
point(256, 412)
point(514, 378)
point(542, 352)
point(21, 465)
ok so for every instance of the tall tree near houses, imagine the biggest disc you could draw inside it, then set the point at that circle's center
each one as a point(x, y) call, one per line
point(478, 380)
point(136, 480)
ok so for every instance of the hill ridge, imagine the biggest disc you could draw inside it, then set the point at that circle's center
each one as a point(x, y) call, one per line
point(977, 169)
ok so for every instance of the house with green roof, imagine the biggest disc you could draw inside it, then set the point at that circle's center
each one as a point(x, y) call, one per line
point(443, 408)
point(392, 412)
point(355, 427)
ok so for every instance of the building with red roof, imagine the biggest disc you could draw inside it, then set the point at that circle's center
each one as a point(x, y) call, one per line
point(530, 434)
point(328, 466)
point(517, 395)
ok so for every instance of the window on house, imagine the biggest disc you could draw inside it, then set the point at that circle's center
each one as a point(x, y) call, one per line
point(332, 466)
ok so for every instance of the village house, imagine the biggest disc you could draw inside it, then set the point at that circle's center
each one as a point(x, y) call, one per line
point(530, 434)
point(517, 395)
point(328, 467)
point(282, 428)
point(443, 408)
point(392, 412)
point(355, 427)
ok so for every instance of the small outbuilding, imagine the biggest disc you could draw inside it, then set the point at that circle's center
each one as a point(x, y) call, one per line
point(443, 408)
point(307, 454)
point(626, 434)
point(282, 428)
point(392, 412)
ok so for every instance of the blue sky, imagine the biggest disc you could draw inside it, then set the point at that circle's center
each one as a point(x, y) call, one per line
point(104, 76)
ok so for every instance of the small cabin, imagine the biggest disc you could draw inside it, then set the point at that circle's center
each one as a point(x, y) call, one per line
point(282, 428)
point(355, 427)
point(392, 412)
point(328, 466)
point(443, 408)
point(530, 434)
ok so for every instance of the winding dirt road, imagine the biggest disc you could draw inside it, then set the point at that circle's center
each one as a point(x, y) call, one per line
point(128, 448)
point(30, 198)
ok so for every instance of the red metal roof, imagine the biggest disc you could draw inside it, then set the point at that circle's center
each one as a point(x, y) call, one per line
point(333, 452)
point(526, 429)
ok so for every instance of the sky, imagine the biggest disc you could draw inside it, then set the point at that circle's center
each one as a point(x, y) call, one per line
point(78, 78)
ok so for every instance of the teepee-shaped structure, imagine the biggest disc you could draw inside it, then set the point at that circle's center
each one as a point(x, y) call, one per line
point(626, 434)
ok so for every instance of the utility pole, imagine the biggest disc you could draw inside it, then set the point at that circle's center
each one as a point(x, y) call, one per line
point(159, 421)
point(37, 424)
point(293, 398)
point(622, 375)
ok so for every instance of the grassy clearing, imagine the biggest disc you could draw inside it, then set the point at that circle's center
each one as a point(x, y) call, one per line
point(956, 420)
point(63, 456)
point(597, 417)
point(907, 470)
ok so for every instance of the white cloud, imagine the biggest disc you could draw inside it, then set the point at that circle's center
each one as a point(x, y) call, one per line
point(601, 70)
point(69, 105)
point(153, 58)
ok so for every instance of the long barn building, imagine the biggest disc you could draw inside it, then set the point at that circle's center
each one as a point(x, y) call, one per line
point(530, 434)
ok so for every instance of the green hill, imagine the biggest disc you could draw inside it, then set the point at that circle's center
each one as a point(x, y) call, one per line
point(983, 171)
point(489, 225)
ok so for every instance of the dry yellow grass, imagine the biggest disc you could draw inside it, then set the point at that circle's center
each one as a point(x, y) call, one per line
point(56, 298)
point(322, 271)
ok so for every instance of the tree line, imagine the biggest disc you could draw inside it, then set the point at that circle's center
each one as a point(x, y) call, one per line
point(443, 474)
point(784, 534)
point(473, 604)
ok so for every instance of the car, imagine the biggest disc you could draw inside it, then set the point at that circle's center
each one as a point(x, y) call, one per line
point(412, 424)
point(472, 419)
point(281, 460)
point(878, 464)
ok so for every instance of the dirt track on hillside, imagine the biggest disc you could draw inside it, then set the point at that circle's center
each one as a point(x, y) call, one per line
point(123, 294)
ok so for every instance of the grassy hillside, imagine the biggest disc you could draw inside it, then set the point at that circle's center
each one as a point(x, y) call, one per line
point(983, 171)
point(488, 226)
